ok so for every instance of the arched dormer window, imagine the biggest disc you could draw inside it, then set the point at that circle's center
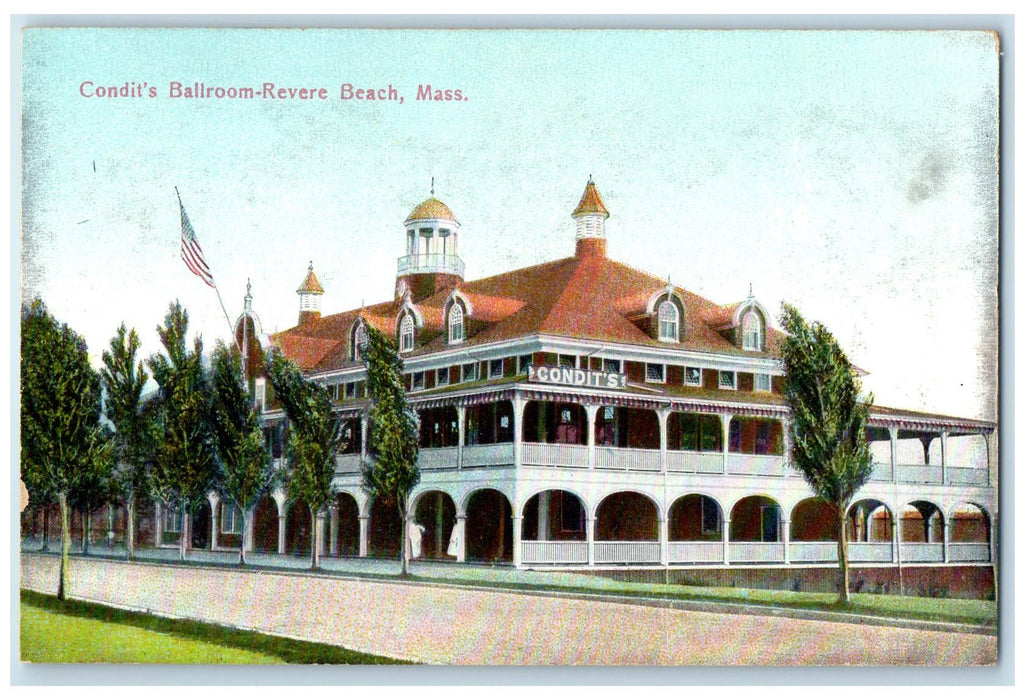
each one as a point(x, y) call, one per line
point(668, 322)
point(358, 340)
point(406, 333)
point(753, 332)
point(456, 333)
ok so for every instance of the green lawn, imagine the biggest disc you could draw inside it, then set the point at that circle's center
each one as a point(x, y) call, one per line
point(74, 632)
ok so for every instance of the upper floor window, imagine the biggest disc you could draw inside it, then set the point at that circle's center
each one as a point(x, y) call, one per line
point(470, 372)
point(655, 373)
point(443, 376)
point(568, 361)
point(494, 369)
point(727, 380)
point(763, 382)
point(692, 376)
point(455, 324)
point(406, 334)
point(668, 322)
point(610, 365)
point(418, 381)
point(752, 326)
point(522, 362)
point(359, 341)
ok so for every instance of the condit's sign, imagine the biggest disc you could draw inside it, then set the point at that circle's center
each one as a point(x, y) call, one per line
point(569, 376)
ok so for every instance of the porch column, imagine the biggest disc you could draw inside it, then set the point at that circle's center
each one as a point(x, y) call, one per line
point(893, 455)
point(993, 539)
point(519, 404)
point(517, 537)
point(363, 425)
point(282, 524)
point(364, 532)
point(333, 545)
point(543, 504)
point(895, 539)
point(461, 422)
point(215, 519)
point(663, 540)
point(943, 455)
point(247, 534)
point(158, 524)
point(461, 549)
point(946, 540)
point(788, 447)
point(663, 430)
point(318, 534)
point(989, 458)
point(726, 419)
point(725, 541)
point(785, 525)
point(590, 539)
point(592, 415)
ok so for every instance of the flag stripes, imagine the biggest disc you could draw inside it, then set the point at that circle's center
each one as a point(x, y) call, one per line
point(192, 254)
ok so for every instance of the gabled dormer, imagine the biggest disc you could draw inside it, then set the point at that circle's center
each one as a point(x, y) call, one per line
point(665, 316)
point(457, 315)
point(746, 325)
point(408, 323)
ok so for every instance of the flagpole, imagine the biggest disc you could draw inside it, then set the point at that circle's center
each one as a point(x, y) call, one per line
point(231, 329)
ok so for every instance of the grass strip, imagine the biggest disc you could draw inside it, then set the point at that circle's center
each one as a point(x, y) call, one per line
point(289, 651)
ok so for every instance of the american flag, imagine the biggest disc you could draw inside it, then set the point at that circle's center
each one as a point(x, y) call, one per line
point(192, 254)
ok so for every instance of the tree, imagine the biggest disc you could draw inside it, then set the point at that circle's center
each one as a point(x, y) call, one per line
point(60, 413)
point(246, 473)
point(314, 440)
point(123, 380)
point(94, 487)
point(827, 421)
point(183, 459)
point(393, 439)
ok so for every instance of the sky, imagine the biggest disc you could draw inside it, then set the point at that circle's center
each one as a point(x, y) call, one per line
point(852, 174)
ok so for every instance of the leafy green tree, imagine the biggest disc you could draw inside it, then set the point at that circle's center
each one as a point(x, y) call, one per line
point(183, 455)
point(393, 439)
point(314, 440)
point(246, 472)
point(828, 416)
point(123, 380)
point(94, 488)
point(60, 412)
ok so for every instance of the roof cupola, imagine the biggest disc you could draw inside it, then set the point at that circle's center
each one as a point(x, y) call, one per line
point(309, 293)
point(432, 261)
point(590, 216)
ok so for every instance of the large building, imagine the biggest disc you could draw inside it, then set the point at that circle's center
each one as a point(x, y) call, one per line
point(583, 413)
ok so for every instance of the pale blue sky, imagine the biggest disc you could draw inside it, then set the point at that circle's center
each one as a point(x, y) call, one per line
point(852, 174)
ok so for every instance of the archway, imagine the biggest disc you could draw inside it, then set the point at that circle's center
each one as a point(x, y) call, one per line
point(348, 525)
point(626, 516)
point(200, 525)
point(554, 515)
point(869, 520)
point(489, 532)
point(298, 530)
point(436, 513)
point(695, 518)
point(265, 526)
point(814, 520)
point(755, 519)
point(383, 540)
point(969, 523)
point(921, 522)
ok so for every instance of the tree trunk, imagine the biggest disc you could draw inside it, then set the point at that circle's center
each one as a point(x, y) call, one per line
point(183, 539)
point(403, 536)
point(314, 541)
point(87, 521)
point(46, 528)
point(841, 556)
point(242, 544)
point(62, 500)
point(130, 527)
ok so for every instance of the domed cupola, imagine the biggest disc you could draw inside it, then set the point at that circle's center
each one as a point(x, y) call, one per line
point(431, 262)
point(590, 216)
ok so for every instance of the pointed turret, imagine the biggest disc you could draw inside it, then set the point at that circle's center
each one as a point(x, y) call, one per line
point(590, 216)
point(309, 293)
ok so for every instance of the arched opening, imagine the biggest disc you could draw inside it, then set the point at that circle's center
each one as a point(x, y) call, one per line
point(348, 525)
point(383, 540)
point(869, 520)
point(554, 515)
point(200, 525)
point(695, 518)
point(299, 528)
point(814, 520)
point(489, 532)
point(436, 514)
point(755, 519)
point(921, 522)
point(265, 525)
point(626, 516)
point(145, 523)
point(969, 523)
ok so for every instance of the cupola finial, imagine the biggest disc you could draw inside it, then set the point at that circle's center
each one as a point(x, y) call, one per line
point(432, 185)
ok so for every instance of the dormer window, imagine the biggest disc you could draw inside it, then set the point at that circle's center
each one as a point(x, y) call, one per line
point(752, 327)
point(455, 324)
point(359, 341)
point(668, 322)
point(406, 331)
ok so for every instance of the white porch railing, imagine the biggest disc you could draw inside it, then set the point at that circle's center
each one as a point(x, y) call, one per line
point(628, 458)
point(968, 551)
point(743, 552)
point(695, 552)
point(431, 262)
point(813, 551)
point(439, 458)
point(498, 454)
point(694, 462)
point(553, 552)
point(757, 465)
point(347, 464)
point(919, 474)
point(881, 472)
point(626, 552)
point(962, 476)
point(543, 454)
point(921, 551)
point(870, 551)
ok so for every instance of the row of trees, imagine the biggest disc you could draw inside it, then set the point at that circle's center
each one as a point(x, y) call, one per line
point(89, 437)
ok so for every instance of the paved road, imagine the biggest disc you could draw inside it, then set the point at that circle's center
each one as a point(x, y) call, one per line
point(444, 625)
